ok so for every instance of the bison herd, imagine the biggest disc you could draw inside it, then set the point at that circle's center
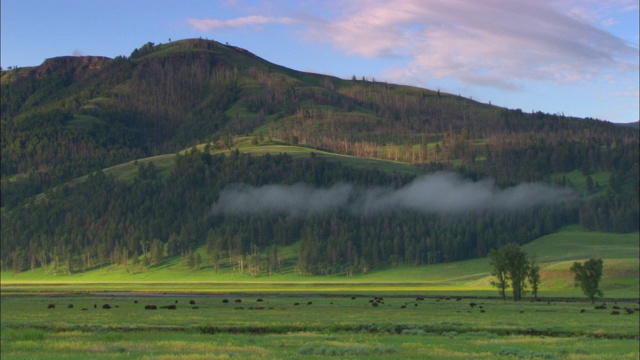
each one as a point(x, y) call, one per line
point(376, 301)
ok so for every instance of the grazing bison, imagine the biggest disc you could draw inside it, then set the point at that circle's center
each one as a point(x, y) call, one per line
point(135, 301)
point(95, 306)
point(225, 300)
point(310, 303)
point(403, 306)
point(629, 311)
point(614, 312)
point(582, 311)
point(296, 304)
point(172, 307)
point(106, 306)
point(84, 309)
point(482, 311)
point(473, 304)
point(151, 307)
point(192, 302)
point(195, 307)
point(238, 300)
point(70, 306)
point(51, 306)
point(353, 298)
point(375, 304)
point(259, 300)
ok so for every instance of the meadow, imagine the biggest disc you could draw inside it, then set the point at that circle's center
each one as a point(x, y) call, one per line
point(335, 316)
point(399, 326)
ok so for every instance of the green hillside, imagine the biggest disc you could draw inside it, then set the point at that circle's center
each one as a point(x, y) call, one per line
point(135, 155)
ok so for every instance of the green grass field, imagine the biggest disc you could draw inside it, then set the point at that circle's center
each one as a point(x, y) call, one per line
point(320, 326)
point(334, 324)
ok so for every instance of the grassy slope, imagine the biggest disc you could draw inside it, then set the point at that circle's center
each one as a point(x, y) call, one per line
point(164, 163)
point(555, 253)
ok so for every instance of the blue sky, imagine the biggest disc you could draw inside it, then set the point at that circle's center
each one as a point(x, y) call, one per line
point(576, 57)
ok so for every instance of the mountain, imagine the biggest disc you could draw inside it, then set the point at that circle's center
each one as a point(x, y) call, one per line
point(72, 117)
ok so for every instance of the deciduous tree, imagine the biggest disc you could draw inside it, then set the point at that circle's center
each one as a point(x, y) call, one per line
point(587, 276)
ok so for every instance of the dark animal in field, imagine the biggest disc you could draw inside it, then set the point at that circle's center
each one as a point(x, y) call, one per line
point(458, 299)
point(106, 306)
point(415, 304)
point(84, 309)
point(375, 304)
point(629, 311)
point(614, 312)
point(482, 311)
point(195, 307)
point(150, 307)
point(521, 311)
point(296, 304)
point(70, 306)
point(403, 306)
point(473, 304)
point(616, 307)
point(259, 300)
point(238, 300)
point(172, 307)
point(310, 303)
point(419, 298)
point(95, 306)
point(176, 302)
point(600, 307)
point(192, 302)
point(480, 307)
point(51, 306)
point(225, 300)
point(583, 310)
point(353, 298)
point(135, 301)
point(117, 306)
point(371, 300)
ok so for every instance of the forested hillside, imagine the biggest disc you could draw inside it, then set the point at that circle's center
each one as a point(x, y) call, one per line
point(74, 116)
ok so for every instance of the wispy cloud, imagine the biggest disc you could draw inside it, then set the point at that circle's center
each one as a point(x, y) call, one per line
point(242, 22)
point(494, 42)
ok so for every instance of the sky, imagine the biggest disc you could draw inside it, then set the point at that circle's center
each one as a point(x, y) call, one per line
point(572, 57)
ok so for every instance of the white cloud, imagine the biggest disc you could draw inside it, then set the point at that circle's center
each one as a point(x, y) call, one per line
point(242, 22)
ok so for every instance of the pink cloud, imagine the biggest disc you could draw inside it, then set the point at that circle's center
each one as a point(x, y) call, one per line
point(499, 42)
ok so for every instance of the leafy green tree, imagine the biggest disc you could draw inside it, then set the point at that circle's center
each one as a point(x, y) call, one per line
point(534, 276)
point(500, 271)
point(587, 276)
point(511, 266)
